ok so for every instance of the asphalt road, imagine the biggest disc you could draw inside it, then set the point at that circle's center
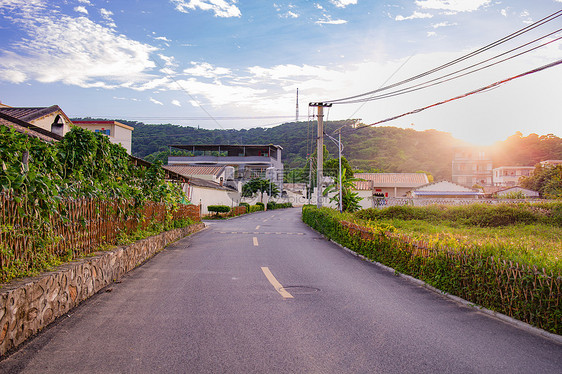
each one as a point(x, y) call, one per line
point(213, 303)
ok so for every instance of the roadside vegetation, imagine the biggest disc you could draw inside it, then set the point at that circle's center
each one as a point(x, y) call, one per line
point(504, 257)
point(53, 194)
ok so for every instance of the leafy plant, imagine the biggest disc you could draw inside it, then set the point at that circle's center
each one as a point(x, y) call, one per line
point(260, 186)
point(350, 199)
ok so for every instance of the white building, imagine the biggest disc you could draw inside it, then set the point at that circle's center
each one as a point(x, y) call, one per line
point(509, 175)
point(117, 132)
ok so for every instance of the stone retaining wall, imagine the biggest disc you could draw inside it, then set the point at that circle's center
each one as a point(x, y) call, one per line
point(27, 306)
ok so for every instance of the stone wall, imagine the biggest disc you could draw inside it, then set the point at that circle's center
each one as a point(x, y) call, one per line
point(28, 305)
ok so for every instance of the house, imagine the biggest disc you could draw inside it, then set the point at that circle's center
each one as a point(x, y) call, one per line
point(390, 184)
point(509, 175)
point(444, 189)
point(117, 132)
point(386, 185)
point(249, 161)
point(27, 128)
point(51, 119)
point(216, 174)
point(510, 191)
point(551, 163)
point(472, 166)
point(207, 192)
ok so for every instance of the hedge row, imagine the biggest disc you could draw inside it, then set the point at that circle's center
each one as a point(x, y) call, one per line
point(482, 215)
point(518, 291)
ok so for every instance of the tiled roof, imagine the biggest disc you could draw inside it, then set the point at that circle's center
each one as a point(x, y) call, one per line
point(366, 185)
point(394, 179)
point(29, 114)
point(195, 170)
point(27, 128)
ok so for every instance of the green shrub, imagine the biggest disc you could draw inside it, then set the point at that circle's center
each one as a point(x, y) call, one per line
point(246, 205)
point(218, 209)
point(260, 204)
point(256, 208)
point(479, 276)
point(482, 215)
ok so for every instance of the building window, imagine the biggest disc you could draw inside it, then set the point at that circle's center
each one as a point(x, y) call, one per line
point(104, 131)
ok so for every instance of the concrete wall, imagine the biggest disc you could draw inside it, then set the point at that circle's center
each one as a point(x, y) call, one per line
point(29, 305)
point(211, 196)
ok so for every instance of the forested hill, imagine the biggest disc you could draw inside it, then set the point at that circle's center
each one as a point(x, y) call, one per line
point(387, 149)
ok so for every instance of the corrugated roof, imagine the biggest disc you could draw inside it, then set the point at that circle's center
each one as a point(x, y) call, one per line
point(195, 170)
point(394, 179)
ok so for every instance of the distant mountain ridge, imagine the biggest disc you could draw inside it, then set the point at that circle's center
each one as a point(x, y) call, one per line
point(388, 149)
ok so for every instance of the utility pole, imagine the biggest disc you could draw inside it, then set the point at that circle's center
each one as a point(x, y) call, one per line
point(297, 114)
point(320, 150)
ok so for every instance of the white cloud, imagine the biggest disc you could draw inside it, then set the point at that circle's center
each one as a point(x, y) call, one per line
point(206, 70)
point(81, 9)
point(318, 6)
point(287, 13)
point(431, 33)
point(327, 20)
point(156, 101)
point(176, 103)
point(221, 8)
point(87, 2)
point(504, 11)
point(162, 38)
point(443, 24)
point(106, 14)
point(453, 5)
point(343, 3)
point(415, 15)
point(75, 51)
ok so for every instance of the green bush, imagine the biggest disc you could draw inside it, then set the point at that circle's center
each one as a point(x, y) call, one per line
point(218, 209)
point(480, 277)
point(260, 204)
point(256, 208)
point(482, 215)
point(246, 205)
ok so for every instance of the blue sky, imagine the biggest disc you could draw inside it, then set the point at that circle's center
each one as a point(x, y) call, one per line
point(185, 61)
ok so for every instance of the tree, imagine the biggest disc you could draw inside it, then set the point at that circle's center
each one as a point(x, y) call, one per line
point(260, 185)
point(546, 180)
point(332, 168)
point(350, 199)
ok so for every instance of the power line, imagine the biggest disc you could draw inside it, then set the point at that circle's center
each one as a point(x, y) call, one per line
point(460, 59)
point(479, 90)
point(440, 80)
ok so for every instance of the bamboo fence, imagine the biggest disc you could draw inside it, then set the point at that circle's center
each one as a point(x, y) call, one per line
point(80, 226)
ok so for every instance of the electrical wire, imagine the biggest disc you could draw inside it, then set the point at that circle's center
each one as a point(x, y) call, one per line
point(440, 80)
point(479, 90)
point(511, 36)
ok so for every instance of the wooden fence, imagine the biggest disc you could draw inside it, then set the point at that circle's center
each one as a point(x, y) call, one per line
point(523, 292)
point(78, 226)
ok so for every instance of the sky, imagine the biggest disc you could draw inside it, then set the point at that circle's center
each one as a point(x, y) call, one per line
point(238, 63)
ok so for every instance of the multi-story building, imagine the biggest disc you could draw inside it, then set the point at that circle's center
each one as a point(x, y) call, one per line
point(248, 161)
point(508, 176)
point(117, 132)
point(472, 166)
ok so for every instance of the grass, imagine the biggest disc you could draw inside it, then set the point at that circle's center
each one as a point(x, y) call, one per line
point(531, 244)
